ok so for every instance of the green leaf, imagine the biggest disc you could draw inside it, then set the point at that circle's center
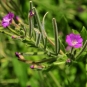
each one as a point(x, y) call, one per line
point(50, 68)
point(62, 47)
point(63, 26)
point(57, 48)
point(75, 31)
point(82, 57)
point(82, 50)
point(21, 72)
point(28, 42)
point(38, 37)
point(44, 32)
point(84, 34)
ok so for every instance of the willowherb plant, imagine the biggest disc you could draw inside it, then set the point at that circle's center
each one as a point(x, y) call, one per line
point(36, 36)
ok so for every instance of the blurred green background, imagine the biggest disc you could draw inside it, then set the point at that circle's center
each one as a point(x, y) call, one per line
point(70, 14)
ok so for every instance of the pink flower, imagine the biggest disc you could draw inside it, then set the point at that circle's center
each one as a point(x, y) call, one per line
point(74, 40)
point(7, 20)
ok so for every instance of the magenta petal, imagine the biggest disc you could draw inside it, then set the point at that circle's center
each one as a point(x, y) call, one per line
point(5, 24)
point(80, 40)
point(10, 15)
point(68, 40)
point(72, 36)
point(78, 46)
point(7, 20)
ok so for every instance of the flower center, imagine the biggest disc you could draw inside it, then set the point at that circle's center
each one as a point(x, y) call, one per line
point(74, 42)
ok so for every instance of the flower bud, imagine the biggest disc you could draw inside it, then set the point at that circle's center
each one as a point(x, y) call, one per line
point(19, 56)
point(68, 61)
point(15, 37)
point(31, 13)
point(32, 66)
point(18, 19)
point(35, 66)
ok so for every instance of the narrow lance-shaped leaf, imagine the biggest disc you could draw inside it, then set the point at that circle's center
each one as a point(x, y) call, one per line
point(43, 24)
point(75, 31)
point(30, 15)
point(44, 32)
point(56, 35)
point(62, 47)
point(38, 37)
point(34, 53)
point(39, 23)
point(45, 43)
point(83, 48)
point(84, 33)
